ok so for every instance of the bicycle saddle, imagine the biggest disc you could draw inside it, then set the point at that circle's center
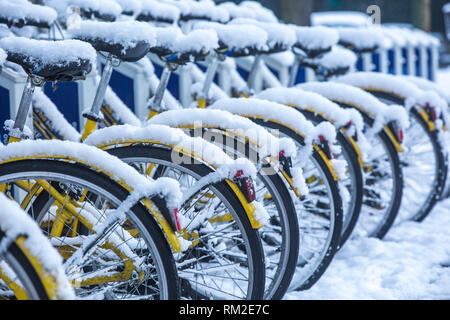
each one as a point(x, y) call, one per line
point(360, 40)
point(337, 62)
point(280, 37)
point(127, 40)
point(237, 40)
point(175, 47)
point(315, 41)
point(105, 10)
point(155, 11)
point(130, 7)
point(65, 60)
point(200, 10)
point(22, 13)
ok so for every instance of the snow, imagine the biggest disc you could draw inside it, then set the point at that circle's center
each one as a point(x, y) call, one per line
point(337, 58)
point(268, 144)
point(198, 40)
point(412, 262)
point(426, 84)
point(268, 110)
point(165, 135)
point(41, 52)
point(446, 8)
point(2, 57)
point(96, 158)
point(105, 7)
point(132, 6)
point(278, 34)
point(362, 38)
point(396, 85)
point(23, 10)
point(125, 33)
point(200, 10)
point(339, 18)
point(160, 10)
point(14, 223)
point(236, 11)
point(237, 36)
point(309, 100)
point(262, 14)
point(353, 96)
point(316, 38)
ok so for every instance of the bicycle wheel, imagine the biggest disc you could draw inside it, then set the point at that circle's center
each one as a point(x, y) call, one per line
point(19, 279)
point(280, 236)
point(424, 164)
point(130, 260)
point(226, 258)
point(383, 187)
point(353, 181)
point(320, 214)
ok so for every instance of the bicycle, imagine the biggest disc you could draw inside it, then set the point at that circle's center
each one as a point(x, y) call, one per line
point(250, 235)
point(331, 245)
point(425, 157)
point(384, 126)
point(75, 181)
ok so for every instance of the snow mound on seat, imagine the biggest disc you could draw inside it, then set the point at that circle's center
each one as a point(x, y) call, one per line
point(105, 7)
point(126, 33)
point(262, 13)
point(24, 10)
point(160, 10)
point(50, 52)
point(316, 38)
point(237, 36)
point(278, 34)
point(132, 6)
point(198, 40)
point(200, 9)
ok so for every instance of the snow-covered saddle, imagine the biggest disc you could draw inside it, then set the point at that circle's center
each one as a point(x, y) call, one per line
point(315, 41)
point(126, 40)
point(155, 11)
point(175, 47)
point(65, 60)
point(237, 40)
point(280, 37)
point(200, 10)
point(22, 13)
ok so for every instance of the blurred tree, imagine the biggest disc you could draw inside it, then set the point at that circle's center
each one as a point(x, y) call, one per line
point(296, 11)
point(421, 14)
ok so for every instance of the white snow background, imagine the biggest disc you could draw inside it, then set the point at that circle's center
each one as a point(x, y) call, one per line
point(412, 262)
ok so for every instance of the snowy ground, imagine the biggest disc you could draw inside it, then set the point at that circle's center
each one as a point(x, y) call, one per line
point(412, 262)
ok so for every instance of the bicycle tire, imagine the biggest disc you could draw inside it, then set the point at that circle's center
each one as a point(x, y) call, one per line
point(350, 155)
point(167, 281)
point(440, 170)
point(336, 219)
point(17, 260)
point(254, 250)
